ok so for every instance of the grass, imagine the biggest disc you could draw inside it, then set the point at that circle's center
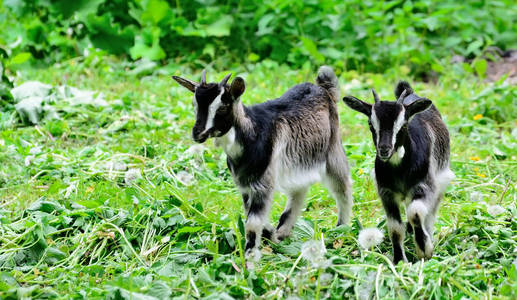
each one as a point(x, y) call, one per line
point(77, 220)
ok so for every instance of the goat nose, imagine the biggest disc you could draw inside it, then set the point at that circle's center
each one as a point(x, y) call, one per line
point(384, 150)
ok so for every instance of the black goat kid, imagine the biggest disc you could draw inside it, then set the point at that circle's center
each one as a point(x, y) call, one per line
point(285, 144)
point(412, 163)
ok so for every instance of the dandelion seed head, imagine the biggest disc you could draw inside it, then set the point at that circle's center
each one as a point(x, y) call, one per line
point(29, 159)
point(370, 237)
point(475, 238)
point(476, 196)
point(132, 175)
point(185, 177)
point(35, 150)
point(495, 210)
point(326, 278)
point(314, 252)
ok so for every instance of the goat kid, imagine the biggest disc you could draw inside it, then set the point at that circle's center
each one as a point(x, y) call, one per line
point(412, 163)
point(285, 144)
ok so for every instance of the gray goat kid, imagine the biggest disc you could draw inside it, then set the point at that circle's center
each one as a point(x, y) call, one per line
point(412, 163)
point(285, 144)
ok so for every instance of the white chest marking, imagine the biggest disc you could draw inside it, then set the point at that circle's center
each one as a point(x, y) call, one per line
point(397, 157)
point(230, 146)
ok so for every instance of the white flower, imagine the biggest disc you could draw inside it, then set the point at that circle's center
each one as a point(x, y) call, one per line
point(132, 175)
point(326, 278)
point(476, 196)
point(185, 177)
point(495, 210)
point(314, 252)
point(370, 237)
point(71, 189)
point(29, 159)
point(35, 150)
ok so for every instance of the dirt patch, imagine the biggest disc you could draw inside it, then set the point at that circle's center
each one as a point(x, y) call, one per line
point(499, 64)
point(506, 65)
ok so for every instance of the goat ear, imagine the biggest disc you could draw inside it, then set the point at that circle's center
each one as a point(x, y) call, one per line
point(358, 105)
point(418, 106)
point(237, 88)
point(186, 83)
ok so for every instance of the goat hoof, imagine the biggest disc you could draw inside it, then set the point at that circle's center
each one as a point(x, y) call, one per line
point(253, 255)
point(282, 233)
point(427, 253)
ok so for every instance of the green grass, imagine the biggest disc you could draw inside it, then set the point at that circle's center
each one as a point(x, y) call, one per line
point(72, 227)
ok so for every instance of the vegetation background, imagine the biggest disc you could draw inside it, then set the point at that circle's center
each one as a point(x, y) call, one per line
point(104, 195)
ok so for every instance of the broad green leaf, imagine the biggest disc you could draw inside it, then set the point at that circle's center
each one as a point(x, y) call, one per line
point(310, 47)
point(221, 27)
point(480, 66)
point(106, 34)
point(20, 58)
point(147, 45)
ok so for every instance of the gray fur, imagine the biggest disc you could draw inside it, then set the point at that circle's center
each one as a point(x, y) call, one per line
point(286, 144)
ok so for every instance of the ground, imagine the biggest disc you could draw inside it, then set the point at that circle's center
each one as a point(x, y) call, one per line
point(118, 201)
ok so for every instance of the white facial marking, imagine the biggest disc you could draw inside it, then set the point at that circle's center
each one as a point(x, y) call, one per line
point(194, 102)
point(212, 108)
point(375, 124)
point(399, 122)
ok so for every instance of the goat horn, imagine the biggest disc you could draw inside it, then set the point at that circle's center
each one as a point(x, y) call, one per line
point(375, 96)
point(203, 77)
point(400, 100)
point(225, 79)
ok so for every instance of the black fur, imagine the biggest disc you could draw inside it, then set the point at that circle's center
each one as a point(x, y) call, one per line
point(267, 234)
point(250, 240)
point(424, 137)
point(283, 218)
point(401, 86)
point(257, 149)
point(245, 201)
point(398, 253)
point(415, 164)
point(301, 128)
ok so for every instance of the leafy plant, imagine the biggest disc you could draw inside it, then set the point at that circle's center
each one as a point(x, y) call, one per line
point(352, 34)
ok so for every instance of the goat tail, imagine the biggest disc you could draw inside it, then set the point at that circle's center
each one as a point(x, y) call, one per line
point(328, 81)
point(401, 86)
